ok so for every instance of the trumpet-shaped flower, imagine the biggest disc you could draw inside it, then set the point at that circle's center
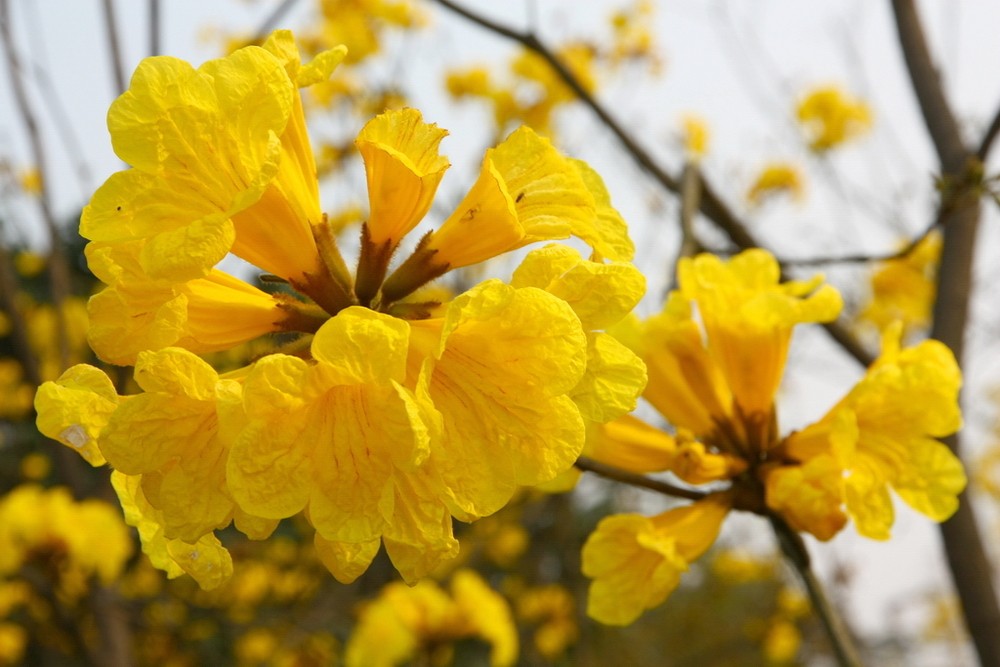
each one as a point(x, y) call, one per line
point(395, 408)
point(716, 384)
point(636, 562)
point(882, 435)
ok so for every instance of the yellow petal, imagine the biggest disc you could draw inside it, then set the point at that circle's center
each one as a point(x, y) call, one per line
point(607, 233)
point(600, 294)
point(526, 192)
point(75, 409)
point(631, 444)
point(346, 561)
point(614, 379)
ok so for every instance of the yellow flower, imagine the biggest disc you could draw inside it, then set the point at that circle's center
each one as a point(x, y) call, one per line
point(75, 539)
point(551, 607)
point(636, 562)
point(696, 136)
point(881, 435)
point(829, 117)
point(903, 289)
point(191, 203)
point(404, 623)
point(775, 178)
point(208, 314)
point(748, 315)
point(429, 408)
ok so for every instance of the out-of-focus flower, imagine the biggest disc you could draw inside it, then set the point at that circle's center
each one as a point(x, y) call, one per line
point(31, 181)
point(552, 609)
point(774, 179)
point(904, 289)
point(696, 136)
point(830, 117)
point(404, 623)
point(634, 35)
point(68, 541)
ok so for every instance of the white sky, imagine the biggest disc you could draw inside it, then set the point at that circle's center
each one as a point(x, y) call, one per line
point(741, 65)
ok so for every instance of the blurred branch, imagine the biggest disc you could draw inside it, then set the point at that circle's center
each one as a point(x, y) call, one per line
point(114, 47)
point(272, 21)
point(710, 204)
point(58, 265)
point(690, 196)
point(961, 170)
point(990, 135)
point(640, 481)
point(154, 27)
point(795, 552)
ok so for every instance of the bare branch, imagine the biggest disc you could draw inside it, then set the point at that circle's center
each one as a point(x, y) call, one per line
point(961, 169)
point(988, 137)
point(271, 22)
point(154, 27)
point(638, 481)
point(114, 47)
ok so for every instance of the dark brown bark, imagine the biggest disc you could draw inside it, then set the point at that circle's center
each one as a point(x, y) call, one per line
point(970, 567)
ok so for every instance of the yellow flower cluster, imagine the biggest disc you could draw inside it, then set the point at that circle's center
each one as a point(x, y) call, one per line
point(68, 541)
point(421, 623)
point(385, 414)
point(716, 384)
point(830, 117)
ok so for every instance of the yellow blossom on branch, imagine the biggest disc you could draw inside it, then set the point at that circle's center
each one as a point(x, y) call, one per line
point(715, 357)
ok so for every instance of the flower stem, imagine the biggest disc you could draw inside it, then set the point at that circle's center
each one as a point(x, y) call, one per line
point(795, 551)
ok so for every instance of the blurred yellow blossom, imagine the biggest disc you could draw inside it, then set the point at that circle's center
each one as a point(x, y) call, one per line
point(421, 622)
point(696, 136)
point(776, 178)
point(903, 289)
point(829, 117)
point(552, 609)
point(69, 541)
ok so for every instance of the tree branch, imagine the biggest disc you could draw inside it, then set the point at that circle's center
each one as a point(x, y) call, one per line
point(114, 46)
point(639, 481)
point(970, 567)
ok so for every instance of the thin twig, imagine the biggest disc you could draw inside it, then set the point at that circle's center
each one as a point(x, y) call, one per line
point(271, 21)
point(154, 27)
point(114, 47)
point(633, 479)
point(986, 143)
point(902, 253)
point(710, 203)
point(796, 553)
